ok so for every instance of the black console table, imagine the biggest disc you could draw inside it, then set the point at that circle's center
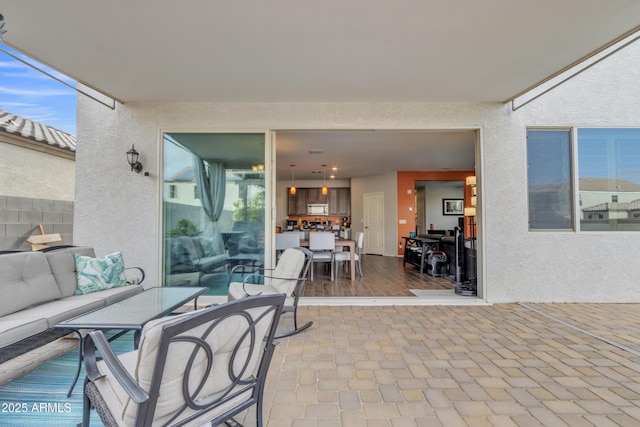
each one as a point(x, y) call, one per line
point(415, 250)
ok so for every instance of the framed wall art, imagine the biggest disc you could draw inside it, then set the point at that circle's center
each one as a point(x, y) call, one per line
point(452, 206)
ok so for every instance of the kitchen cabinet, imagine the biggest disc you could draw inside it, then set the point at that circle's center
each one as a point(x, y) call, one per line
point(338, 199)
point(297, 203)
point(314, 195)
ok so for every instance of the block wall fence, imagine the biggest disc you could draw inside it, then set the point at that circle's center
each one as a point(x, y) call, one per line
point(21, 216)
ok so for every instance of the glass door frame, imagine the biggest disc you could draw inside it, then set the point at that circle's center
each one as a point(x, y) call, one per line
point(269, 182)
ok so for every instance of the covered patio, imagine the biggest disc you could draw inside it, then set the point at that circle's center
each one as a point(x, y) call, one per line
point(500, 365)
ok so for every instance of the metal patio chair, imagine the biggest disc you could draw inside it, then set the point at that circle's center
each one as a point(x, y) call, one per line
point(202, 367)
point(289, 278)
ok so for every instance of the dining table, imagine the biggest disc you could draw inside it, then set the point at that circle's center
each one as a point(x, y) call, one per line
point(344, 243)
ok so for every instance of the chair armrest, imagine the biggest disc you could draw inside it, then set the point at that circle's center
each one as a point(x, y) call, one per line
point(141, 273)
point(244, 281)
point(95, 340)
point(264, 276)
point(245, 267)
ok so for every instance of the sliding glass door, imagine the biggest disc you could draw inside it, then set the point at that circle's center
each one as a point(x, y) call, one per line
point(213, 207)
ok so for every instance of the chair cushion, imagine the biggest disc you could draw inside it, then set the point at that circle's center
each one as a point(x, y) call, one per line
point(289, 265)
point(222, 339)
point(114, 396)
point(237, 291)
point(25, 280)
point(98, 274)
point(345, 256)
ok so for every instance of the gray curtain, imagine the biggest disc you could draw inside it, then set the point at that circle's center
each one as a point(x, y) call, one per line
point(211, 186)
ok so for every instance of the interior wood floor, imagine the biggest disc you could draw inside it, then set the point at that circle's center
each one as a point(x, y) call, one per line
point(384, 276)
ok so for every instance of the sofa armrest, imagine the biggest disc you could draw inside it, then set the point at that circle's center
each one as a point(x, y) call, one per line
point(139, 276)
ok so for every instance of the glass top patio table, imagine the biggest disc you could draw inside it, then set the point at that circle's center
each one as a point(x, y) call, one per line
point(132, 313)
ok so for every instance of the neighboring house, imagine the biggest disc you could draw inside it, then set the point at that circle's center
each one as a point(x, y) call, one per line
point(600, 195)
point(37, 181)
point(181, 199)
point(181, 188)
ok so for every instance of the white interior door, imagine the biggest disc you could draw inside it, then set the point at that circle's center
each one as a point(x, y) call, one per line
point(373, 204)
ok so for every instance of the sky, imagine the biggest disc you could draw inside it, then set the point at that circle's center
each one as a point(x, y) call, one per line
point(30, 94)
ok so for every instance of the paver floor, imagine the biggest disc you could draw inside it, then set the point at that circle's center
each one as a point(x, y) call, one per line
point(497, 365)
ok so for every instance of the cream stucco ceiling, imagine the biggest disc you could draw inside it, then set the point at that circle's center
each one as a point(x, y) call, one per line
point(313, 51)
point(322, 51)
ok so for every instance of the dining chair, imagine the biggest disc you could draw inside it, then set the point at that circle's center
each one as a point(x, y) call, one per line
point(290, 239)
point(322, 245)
point(357, 255)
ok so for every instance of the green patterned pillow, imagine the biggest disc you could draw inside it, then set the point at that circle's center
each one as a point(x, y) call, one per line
point(207, 246)
point(97, 274)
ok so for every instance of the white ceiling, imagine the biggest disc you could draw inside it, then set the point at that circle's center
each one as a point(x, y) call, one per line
point(364, 153)
point(313, 51)
point(321, 51)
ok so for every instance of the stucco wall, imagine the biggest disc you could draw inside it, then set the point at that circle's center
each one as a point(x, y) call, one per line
point(118, 209)
point(35, 174)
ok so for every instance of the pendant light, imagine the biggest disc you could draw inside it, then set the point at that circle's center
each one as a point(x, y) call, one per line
point(292, 189)
point(325, 190)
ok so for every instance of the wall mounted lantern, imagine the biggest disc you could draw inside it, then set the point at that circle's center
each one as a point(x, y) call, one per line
point(132, 158)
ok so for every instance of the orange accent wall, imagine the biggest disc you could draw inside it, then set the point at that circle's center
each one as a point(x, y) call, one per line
point(406, 181)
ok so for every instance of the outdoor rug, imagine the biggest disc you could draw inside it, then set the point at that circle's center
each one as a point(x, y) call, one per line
point(40, 397)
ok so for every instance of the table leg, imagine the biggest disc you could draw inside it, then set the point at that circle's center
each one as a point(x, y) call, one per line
point(136, 338)
point(352, 264)
point(75, 378)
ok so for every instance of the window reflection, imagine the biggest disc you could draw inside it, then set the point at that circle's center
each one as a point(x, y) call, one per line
point(213, 205)
point(609, 179)
point(549, 179)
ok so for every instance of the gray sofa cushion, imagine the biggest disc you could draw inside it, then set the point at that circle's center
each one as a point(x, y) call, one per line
point(193, 254)
point(211, 263)
point(112, 295)
point(55, 312)
point(63, 267)
point(25, 280)
point(13, 330)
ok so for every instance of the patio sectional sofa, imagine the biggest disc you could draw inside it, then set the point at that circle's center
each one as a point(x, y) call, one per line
point(188, 255)
point(39, 290)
